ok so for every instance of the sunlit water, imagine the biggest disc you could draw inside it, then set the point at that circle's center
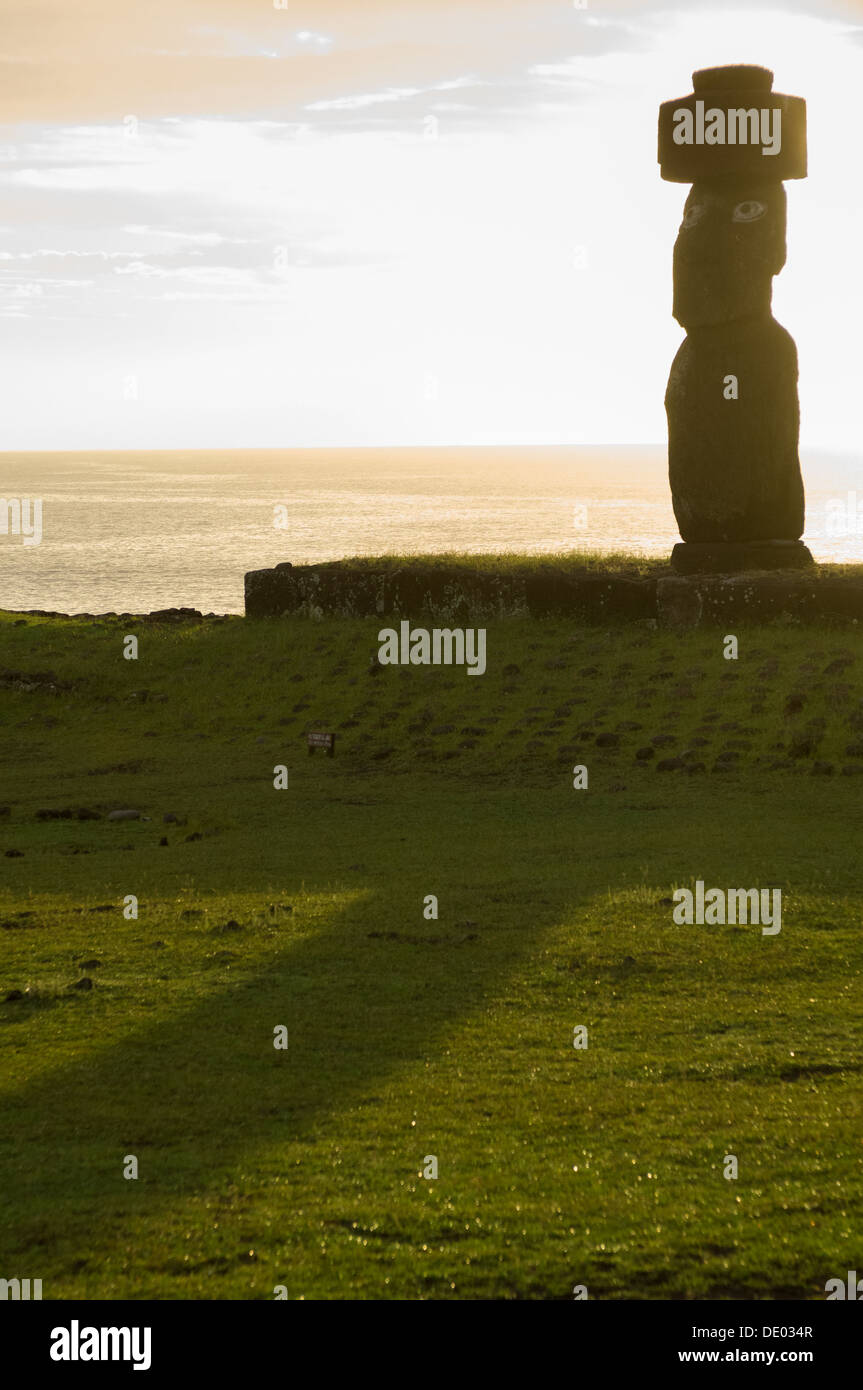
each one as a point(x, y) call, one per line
point(140, 531)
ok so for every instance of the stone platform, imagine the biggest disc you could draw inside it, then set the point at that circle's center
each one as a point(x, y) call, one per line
point(735, 557)
point(454, 594)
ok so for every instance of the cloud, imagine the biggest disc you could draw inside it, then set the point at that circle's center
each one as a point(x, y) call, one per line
point(99, 61)
point(198, 238)
point(307, 36)
point(356, 103)
point(49, 253)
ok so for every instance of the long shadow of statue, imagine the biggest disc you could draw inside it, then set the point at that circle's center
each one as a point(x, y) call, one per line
point(365, 990)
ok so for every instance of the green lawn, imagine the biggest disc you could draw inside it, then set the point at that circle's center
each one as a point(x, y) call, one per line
point(411, 1037)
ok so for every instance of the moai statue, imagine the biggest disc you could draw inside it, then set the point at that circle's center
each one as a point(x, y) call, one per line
point(731, 402)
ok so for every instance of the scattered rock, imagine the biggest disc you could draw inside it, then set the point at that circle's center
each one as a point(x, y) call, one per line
point(224, 928)
point(822, 769)
point(802, 746)
point(29, 681)
point(409, 937)
point(89, 964)
point(14, 854)
point(608, 741)
point(174, 615)
point(134, 765)
point(84, 983)
point(669, 764)
point(124, 815)
point(643, 754)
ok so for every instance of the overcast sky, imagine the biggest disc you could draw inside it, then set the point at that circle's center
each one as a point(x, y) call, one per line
point(360, 222)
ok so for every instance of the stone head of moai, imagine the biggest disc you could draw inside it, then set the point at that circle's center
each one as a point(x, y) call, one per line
point(730, 245)
point(733, 415)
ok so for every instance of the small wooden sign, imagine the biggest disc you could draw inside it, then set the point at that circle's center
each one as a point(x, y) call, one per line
point(318, 739)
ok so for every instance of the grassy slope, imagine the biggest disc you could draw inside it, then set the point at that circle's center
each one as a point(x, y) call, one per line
point(411, 1037)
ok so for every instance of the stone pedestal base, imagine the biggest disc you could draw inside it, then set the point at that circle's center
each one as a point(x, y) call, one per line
point(729, 557)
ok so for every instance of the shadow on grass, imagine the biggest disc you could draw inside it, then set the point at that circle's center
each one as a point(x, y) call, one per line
point(199, 1095)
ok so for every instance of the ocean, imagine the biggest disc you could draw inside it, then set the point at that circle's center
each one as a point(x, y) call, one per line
point(133, 532)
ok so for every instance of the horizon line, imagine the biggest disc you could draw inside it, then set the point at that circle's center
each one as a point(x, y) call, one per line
point(843, 451)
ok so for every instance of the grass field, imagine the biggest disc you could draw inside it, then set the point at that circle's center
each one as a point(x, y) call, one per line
point(410, 1036)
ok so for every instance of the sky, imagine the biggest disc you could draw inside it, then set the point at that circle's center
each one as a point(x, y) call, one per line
point(250, 223)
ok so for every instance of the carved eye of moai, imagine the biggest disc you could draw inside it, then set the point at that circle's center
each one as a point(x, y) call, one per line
point(749, 211)
point(692, 214)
